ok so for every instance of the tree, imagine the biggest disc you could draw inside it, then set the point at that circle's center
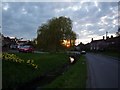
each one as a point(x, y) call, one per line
point(118, 33)
point(51, 35)
point(42, 36)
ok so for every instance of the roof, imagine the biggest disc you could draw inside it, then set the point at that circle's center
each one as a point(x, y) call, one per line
point(98, 40)
point(107, 40)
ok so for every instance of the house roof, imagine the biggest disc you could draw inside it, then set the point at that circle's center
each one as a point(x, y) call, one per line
point(116, 39)
point(97, 40)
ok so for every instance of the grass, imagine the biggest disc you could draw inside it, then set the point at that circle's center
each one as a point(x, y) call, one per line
point(15, 74)
point(75, 77)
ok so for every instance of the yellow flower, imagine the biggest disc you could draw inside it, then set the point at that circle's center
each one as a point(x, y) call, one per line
point(28, 61)
point(16, 60)
point(33, 65)
point(22, 61)
point(36, 66)
point(32, 61)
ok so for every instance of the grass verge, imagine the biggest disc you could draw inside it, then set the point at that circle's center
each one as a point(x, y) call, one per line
point(75, 77)
point(15, 74)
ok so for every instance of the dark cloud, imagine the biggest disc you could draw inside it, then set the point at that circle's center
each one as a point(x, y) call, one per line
point(21, 19)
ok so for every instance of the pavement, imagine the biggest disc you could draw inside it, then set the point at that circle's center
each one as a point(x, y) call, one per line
point(103, 72)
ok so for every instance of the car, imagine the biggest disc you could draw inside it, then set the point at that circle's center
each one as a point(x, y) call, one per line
point(26, 48)
point(20, 46)
point(83, 52)
point(13, 46)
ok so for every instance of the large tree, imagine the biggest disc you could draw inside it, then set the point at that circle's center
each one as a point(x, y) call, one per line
point(118, 32)
point(51, 35)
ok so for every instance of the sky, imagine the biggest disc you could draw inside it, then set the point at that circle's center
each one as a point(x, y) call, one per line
point(89, 19)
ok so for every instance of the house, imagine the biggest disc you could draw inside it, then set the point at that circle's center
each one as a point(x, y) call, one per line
point(8, 42)
point(24, 42)
point(87, 47)
point(112, 43)
point(5, 41)
point(98, 44)
point(80, 47)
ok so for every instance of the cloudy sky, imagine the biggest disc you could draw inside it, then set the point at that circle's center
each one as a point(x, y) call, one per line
point(90, 19)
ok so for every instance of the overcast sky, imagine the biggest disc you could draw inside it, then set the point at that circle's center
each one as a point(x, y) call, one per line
point(90, 19)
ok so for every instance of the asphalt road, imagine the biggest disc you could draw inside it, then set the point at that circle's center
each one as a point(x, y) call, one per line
point(102, 71)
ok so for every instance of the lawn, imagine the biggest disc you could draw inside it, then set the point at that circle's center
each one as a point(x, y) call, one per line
point(15, 74)
point(75, 77)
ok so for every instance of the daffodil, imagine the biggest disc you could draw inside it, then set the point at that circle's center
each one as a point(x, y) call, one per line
point(36, 66)
point(14, 58)
point(33, 65)
point(28, 61)
point(32, 61)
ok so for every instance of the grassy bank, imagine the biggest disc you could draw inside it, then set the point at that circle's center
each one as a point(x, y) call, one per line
point(75, 77)
point(15, 74)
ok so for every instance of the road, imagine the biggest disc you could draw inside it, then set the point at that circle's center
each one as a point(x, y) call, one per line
point(102, 71)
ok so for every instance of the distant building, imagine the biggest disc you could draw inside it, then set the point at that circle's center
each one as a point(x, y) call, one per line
point(112, 43)
point(80, 47)
point(6, 41)
point(98, 44)
point(22, 42)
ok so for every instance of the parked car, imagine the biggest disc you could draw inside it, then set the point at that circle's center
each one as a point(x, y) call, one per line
point(20, 45)
point(13, 46)
point(83, 52)
point(26, 48)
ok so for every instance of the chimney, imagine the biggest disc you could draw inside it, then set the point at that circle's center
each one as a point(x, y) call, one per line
point(111, 36)
point(106, 34)
point(107, 37)
point(103, 37)
point(92, 39)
